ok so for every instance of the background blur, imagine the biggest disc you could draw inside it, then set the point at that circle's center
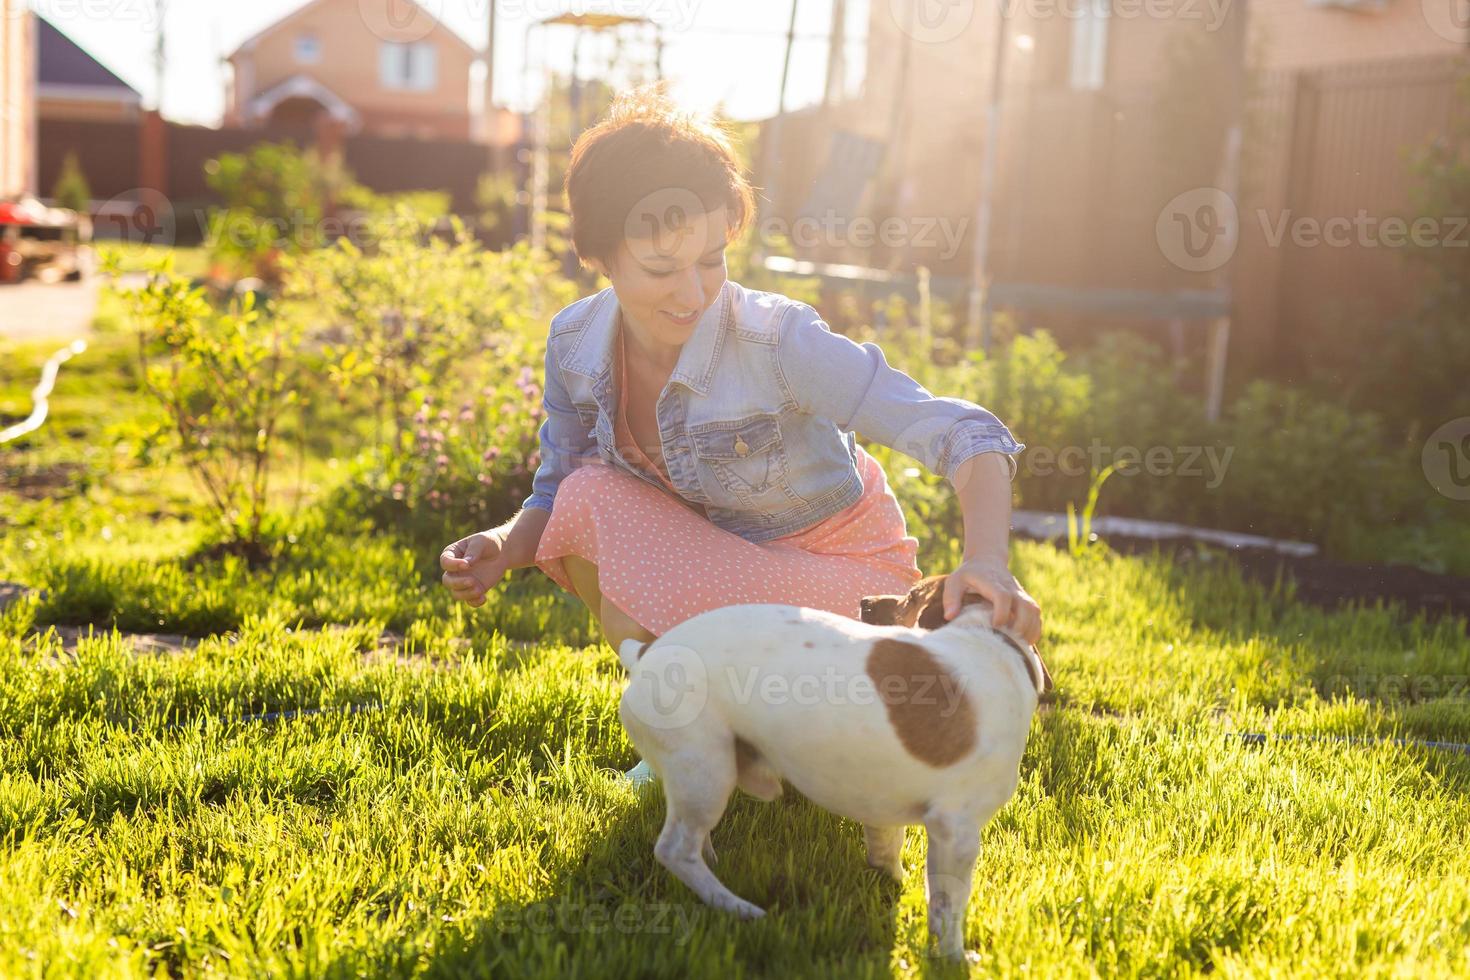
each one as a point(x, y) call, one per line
point(1253, 211)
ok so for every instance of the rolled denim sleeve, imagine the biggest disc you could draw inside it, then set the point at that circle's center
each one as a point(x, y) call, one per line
point(565, 441)
point(854, 386)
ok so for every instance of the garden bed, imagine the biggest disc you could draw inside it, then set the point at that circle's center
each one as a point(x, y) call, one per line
point(1322, 581)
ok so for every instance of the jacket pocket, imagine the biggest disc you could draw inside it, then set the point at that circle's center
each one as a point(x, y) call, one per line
point(746, 456)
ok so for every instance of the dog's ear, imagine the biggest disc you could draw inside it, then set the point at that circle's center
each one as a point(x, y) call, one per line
point(923, 607)
point(931, 613)
point(881, 610)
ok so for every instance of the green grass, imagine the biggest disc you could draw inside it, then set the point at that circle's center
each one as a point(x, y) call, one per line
point(190, 261)
point(467, 822)
point(447, 806)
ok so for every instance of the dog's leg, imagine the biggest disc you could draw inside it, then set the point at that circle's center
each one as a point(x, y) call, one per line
point(885, 850)
point(698, 780)
point(954, 844)
point(753, 774)
point(708, 851)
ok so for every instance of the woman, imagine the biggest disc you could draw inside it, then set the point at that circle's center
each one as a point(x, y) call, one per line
point(698, 446)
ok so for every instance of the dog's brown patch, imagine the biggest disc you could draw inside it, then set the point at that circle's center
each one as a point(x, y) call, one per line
point(923, 607)
point(927, 707)
point(809, 645)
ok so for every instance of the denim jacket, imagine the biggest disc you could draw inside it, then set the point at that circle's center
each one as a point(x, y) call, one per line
point(758, 418)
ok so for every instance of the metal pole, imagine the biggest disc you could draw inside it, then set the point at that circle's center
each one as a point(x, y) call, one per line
point(786, 64)
point(540, 164)
point(774, 149)
point(836, 55)
point(574, 95)
point(981, 277)
point(491, 120)
point(160, 53)
point(1218, 342)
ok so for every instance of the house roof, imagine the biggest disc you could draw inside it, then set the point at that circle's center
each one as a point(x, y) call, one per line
point(61, 61)
point(303, 86)
point(271, 28)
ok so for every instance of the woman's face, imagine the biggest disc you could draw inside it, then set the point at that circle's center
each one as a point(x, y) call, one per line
point(665, 282)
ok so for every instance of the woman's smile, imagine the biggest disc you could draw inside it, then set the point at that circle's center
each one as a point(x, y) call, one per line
point(684, 318)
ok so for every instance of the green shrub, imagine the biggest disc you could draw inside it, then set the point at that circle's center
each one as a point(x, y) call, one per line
point(72, 190)
point(419, 315)
point(276, 198)
point(225, 382)
point(462, 465)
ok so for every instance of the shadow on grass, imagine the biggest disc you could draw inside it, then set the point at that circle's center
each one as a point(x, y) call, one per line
point(619, 913)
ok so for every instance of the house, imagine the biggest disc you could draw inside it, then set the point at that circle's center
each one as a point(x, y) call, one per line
point(1298, 34)
point(1141, 167)
point(71, 84)
point(1098, 115)
point(17, 99)
point(399, 73)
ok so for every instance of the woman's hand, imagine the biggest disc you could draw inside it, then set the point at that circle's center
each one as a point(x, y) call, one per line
point(474, 565)
point(989, 577)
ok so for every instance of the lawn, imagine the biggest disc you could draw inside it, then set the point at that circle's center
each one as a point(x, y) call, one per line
point(445, 803)
point(342, 773)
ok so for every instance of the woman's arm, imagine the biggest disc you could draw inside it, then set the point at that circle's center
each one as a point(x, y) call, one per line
point(831, 376)
point(566, 442)
point(983, 486)
point(852, 384)
point(522, 533)
point(475, 564)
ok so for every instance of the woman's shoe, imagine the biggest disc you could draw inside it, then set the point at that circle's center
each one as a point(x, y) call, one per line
point(640, 775)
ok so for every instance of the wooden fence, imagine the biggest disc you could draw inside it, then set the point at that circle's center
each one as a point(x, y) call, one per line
point(121, 158)
point(1330, 180)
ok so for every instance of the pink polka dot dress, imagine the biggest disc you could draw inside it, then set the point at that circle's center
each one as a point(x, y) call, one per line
point(662, 563)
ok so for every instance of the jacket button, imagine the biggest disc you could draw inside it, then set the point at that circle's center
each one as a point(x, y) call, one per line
point(742, 448)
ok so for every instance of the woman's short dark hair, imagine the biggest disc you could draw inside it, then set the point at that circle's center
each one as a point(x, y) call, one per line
point(643, 160)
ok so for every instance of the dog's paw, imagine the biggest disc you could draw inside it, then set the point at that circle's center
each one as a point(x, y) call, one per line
point(745, 910)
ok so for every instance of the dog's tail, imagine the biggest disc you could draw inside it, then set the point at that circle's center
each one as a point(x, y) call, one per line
point(630, 651)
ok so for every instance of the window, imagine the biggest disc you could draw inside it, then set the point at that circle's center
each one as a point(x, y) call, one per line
point(308, 49)
point(408, 67)
point(1090, 45)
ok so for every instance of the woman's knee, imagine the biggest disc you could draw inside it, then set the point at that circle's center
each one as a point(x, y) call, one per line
point(585, 484)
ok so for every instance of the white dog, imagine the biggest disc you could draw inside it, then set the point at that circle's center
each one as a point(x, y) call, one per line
point(888, 725)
